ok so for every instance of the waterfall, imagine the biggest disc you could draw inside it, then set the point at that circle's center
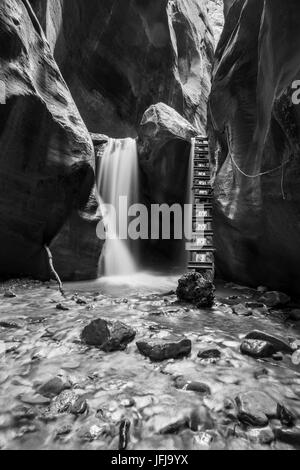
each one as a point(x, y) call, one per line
point(118, 177)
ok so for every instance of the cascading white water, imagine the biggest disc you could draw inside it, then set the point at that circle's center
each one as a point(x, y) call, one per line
point(117, 178)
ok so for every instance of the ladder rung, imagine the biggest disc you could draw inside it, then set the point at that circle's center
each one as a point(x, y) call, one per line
point(205, 187)
point(196, 249)
point(204, 220)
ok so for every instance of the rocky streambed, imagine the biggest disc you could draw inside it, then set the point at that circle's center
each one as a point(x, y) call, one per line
point(122, 364)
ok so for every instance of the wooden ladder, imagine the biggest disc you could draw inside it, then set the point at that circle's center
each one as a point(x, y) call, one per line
point(201, 250)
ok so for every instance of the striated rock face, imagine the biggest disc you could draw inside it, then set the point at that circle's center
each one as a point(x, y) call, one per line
point(46, 154)
point(255, 132)
point(120, 57)
point(216, 10)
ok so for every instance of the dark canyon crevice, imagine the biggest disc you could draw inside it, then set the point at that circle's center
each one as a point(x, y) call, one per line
point(46, 153)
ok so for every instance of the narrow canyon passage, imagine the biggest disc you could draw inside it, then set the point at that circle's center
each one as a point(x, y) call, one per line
point(149, 225)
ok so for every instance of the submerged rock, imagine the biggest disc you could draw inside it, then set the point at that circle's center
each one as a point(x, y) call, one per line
point(201, 418)
point(68, 402)
point(124, 434)
point(181, 383)
point(278, 344)
point(198, 387)
point(264, 436)
point(241, 310)
point(34, 399)
point(286, 417)
point(255, 408)
point(9, 294)
point(167, 348)
point(46, 157)
point(295, 315)
point(10, 325)
point(62, 307)
point(173, 425)
point(54, 387)
point(257, 348)
point(209, 353)
point(108, 336)
point(296, 358)
point(196, 289)
point(288, 436)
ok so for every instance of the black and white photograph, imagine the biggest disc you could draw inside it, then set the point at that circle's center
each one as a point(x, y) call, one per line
point(150, 228)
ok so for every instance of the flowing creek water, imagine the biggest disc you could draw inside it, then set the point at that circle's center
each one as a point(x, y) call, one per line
point(38, 341)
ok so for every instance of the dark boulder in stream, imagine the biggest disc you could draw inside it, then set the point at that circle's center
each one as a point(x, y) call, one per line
point(279, 344)
point(196, 289)
point(162, 349)
point(108, 336)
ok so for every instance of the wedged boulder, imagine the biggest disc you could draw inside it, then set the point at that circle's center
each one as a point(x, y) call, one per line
point(108, 335)
point(255, 408)
point(46, 153)
point(161, 124)
point(168, 348)
point(194, 288)
point(257, 348)
point(279, 344)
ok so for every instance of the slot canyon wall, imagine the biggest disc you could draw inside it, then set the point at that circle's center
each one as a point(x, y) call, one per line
point(46, 153)
point(254, 130)
point(119, 57)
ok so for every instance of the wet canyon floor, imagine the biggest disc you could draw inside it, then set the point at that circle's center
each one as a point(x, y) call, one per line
point(38, 341)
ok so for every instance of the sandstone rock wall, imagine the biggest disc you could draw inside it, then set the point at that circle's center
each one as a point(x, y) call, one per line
point(120, 56)
point(255, 130)
point(46, 154)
